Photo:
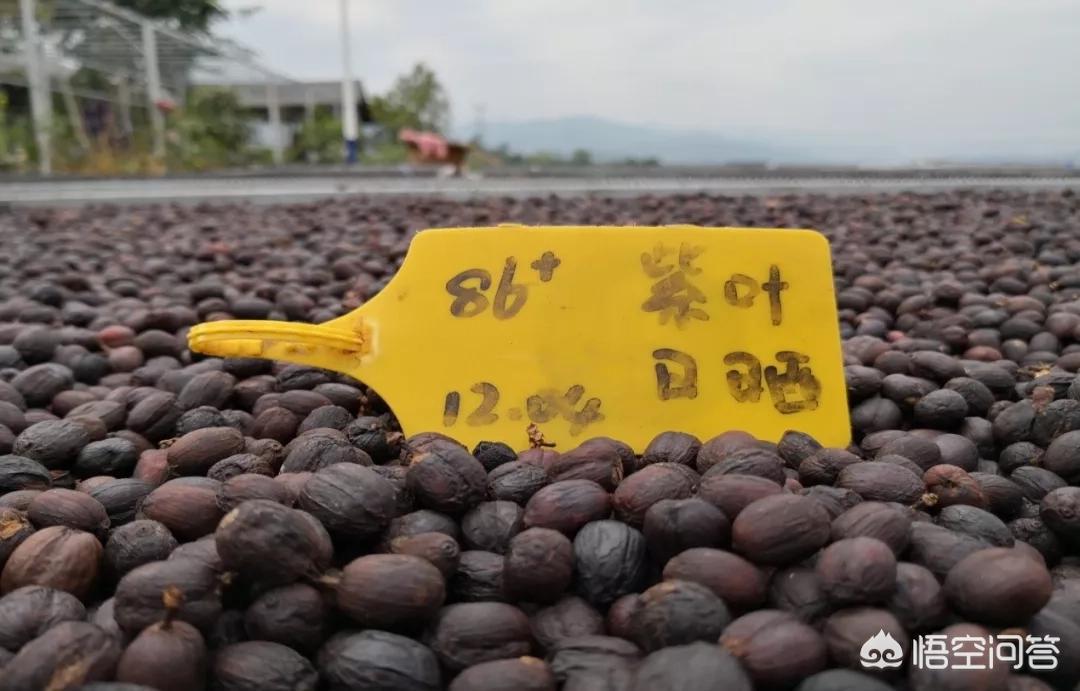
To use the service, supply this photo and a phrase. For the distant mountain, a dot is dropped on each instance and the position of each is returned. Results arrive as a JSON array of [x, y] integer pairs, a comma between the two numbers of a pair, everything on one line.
[[609, 140]]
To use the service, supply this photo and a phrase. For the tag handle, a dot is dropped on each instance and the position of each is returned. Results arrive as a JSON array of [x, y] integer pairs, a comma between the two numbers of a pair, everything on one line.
[[329, 345]]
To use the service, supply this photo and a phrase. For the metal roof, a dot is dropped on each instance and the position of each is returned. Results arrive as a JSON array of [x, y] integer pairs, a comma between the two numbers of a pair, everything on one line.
[[102, 37], [290, 94]]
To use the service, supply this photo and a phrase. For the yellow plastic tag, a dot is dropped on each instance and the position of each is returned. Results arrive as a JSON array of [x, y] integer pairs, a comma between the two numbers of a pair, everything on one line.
[[622, 332]]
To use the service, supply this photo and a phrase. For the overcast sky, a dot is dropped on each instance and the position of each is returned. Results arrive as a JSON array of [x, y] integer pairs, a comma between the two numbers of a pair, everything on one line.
[[925, 74]]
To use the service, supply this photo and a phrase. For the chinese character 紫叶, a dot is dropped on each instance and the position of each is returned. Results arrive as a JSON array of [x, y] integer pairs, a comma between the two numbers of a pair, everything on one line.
[[740, 291], [673, 294]]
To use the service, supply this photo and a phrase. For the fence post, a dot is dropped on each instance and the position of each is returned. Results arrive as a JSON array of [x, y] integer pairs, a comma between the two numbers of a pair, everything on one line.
[[348, 90], [153, 87], [309, 106], [273, 107], [123, 97], [38, 78]]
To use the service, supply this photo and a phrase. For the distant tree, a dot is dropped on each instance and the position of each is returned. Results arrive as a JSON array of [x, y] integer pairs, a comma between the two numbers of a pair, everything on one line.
[[544, 158], [319, 139], [417, 100], [581, 157], [196, 15], [212, 131], [651, 162]]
